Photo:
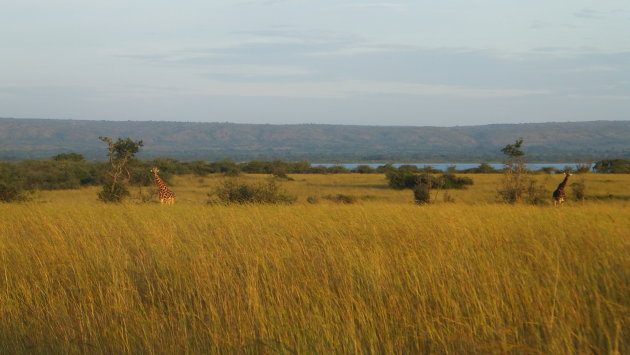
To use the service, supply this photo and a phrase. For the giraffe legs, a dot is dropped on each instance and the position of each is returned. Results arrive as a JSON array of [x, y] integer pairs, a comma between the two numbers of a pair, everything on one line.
[[558, 201]]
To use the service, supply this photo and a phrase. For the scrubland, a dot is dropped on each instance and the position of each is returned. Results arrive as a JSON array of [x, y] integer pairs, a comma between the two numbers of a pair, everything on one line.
[[382, 275]]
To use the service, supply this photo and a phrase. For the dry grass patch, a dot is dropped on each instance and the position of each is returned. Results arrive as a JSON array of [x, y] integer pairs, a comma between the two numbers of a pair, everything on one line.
[[369, 277]]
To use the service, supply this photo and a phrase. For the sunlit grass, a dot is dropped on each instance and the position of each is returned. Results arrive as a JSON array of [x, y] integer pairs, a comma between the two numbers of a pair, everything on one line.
[[382, 275]]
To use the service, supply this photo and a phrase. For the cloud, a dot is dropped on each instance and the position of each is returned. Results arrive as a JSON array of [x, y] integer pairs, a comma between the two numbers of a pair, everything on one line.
[[295, 35], [589, 14], [283, 62], [590, 69], [360, 49], [537, 25], [348, 88], [267, 2], [592, 14], [600, 97], [254, 71], [377, 5]]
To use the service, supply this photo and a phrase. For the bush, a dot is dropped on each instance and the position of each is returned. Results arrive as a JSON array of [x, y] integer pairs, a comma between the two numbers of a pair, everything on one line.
[[483, 168], [51, 174], [234, 191], [68, 156], [583, 168], [510, 194], [232, 172], [341, 198], [11, 193], [450, 181], [612, 166], [364, 169], [536, 194], [199, 168], [578, 189], [114, 192], [422, 193], [337, 169], [400, 180], [281, 175]]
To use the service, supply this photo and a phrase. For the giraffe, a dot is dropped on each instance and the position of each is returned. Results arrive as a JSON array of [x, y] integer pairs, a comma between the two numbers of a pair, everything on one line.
[[166, 195], [559, 195]]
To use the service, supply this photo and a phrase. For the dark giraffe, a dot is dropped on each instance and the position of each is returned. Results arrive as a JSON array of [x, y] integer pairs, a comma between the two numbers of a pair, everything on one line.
[[166, 195], [559, 195]]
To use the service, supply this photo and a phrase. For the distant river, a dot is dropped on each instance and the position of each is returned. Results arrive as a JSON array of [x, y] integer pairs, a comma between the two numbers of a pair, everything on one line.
[[458, 166]]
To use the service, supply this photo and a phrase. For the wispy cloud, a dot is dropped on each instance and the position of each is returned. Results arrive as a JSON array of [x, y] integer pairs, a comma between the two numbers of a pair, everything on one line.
[[267, 2], [593, 14], [600, 97], [359, 49], [377, 5], [286, 63], [256, 71], [536, 25], [590, 14], [349, 88], [590, 69]]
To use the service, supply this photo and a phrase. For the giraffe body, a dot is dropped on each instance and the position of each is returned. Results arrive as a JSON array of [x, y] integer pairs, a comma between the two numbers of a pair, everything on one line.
[[559, 195], [166, 195]]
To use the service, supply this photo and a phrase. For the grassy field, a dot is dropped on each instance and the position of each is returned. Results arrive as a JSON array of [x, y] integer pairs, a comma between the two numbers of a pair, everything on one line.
[[380, 275]]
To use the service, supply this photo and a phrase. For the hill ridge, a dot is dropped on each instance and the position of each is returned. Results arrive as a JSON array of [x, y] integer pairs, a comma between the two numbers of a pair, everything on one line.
[[22, 138]]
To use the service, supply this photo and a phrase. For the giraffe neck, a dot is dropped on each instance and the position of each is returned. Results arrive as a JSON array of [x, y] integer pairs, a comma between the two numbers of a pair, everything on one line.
[[563, 183], [159, 181]]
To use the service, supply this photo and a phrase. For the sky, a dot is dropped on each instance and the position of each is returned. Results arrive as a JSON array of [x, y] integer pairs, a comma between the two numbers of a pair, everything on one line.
[[418, 63]]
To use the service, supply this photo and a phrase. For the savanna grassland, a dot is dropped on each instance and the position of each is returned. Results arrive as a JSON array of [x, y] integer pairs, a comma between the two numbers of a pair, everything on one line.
[[381, 275]]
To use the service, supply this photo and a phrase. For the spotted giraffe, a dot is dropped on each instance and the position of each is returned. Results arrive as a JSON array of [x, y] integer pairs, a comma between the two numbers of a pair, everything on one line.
[[559, 195], [166, 195]]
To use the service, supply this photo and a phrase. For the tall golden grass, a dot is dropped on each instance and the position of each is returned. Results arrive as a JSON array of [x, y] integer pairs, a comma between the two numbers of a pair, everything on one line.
[[382, 275]]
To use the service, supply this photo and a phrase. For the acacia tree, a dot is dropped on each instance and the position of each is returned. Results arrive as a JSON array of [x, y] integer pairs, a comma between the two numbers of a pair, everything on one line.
[[120, 153], [514, 173]]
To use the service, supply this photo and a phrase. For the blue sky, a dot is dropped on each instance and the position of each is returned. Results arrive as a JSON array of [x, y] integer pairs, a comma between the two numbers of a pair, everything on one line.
[[441, 63]]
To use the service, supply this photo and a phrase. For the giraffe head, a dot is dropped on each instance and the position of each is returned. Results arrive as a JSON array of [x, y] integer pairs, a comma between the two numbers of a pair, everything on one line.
[[568, 173], [155, 170]]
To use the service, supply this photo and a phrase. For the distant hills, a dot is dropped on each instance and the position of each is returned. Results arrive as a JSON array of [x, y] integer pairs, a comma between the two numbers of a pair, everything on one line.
[[544, 142]]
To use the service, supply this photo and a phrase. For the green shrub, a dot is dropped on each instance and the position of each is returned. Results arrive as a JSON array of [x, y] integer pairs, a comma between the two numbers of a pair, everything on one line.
[[341, 198], [583, 168], [450, 181], [364, 169], [400, 179], [483, 168], [12, 193], [578, 189], [234, 191], [422, 192], [68, 156], [232, 172], [612, 166], [536, 194], [113, 192], [282, 175], [337, 169]]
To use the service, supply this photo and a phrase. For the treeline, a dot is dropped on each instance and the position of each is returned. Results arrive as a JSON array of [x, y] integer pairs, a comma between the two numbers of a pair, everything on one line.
[[71, 171]]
